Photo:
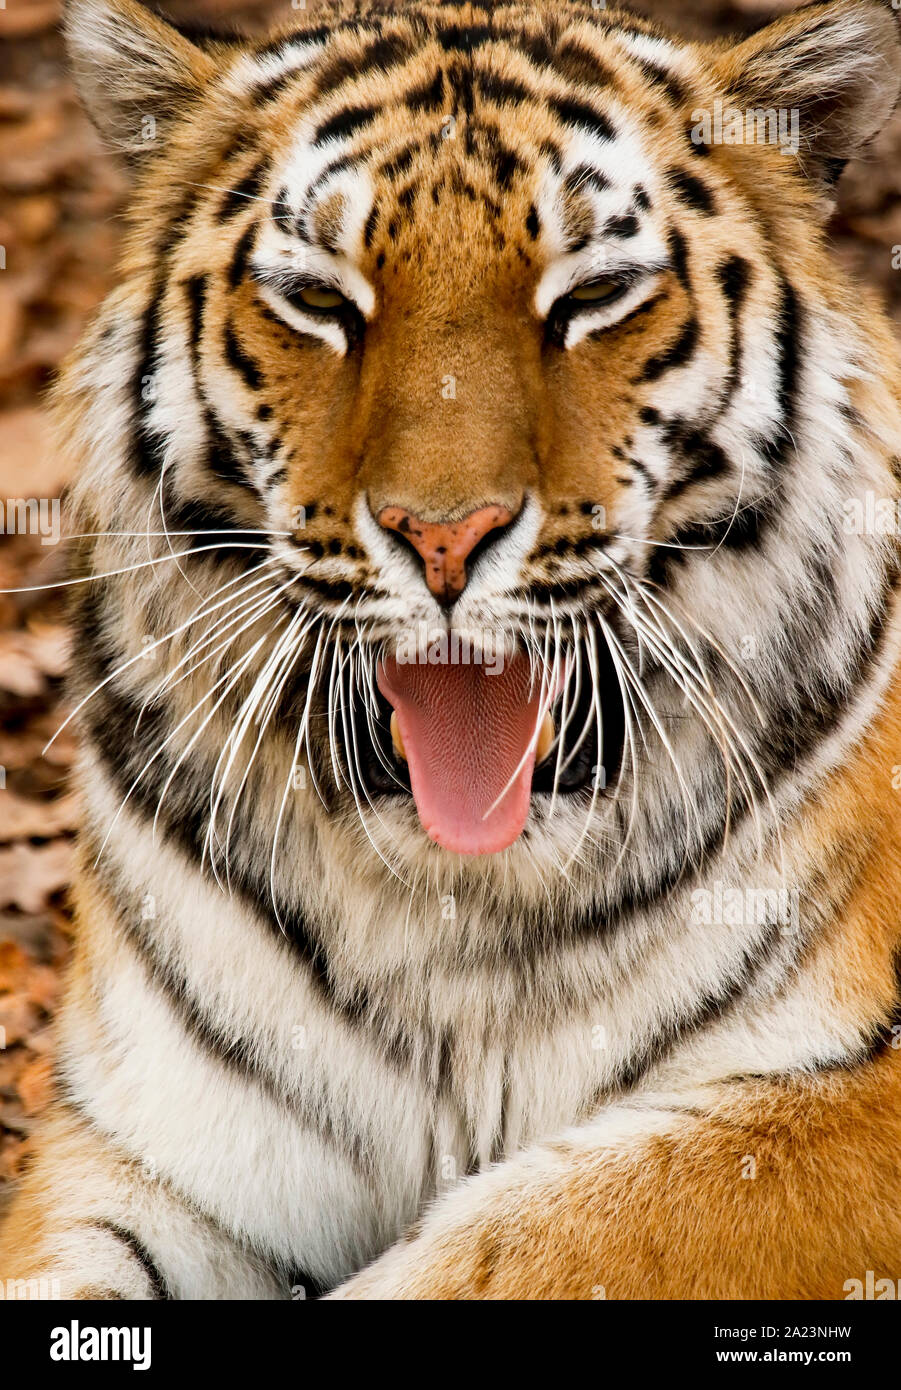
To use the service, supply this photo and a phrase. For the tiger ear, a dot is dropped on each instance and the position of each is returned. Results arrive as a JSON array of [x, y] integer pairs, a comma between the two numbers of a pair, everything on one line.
[[832, 73], [133, 71]]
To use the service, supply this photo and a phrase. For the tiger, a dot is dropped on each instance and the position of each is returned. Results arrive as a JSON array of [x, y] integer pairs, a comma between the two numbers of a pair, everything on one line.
[[484, 576]]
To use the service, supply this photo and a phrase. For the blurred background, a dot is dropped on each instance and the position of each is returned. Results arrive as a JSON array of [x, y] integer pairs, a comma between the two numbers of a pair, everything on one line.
[[60, 198]]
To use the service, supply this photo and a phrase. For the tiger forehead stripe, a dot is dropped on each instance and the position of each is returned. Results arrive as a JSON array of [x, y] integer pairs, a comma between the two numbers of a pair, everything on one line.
[[334, 58]]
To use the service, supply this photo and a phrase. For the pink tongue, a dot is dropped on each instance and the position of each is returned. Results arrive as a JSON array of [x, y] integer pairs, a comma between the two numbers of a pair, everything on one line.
[[465, 734]]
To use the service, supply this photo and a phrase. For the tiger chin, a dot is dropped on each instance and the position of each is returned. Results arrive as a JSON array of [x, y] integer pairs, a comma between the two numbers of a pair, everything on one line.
[[486, 677]]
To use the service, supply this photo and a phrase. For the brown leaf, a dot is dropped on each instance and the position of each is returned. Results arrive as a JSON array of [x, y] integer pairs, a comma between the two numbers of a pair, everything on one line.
[[36, 1085], [13, 964], [30, 874], [26, 452], [21, 819], [18, 1017], [27, 658]]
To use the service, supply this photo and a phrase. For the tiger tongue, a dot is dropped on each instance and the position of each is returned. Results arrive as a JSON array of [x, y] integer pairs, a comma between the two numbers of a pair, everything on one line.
[[468, 738]]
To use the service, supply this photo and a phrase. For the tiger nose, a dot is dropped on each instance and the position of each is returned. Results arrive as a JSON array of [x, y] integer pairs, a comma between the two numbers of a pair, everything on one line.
[[445, 547]]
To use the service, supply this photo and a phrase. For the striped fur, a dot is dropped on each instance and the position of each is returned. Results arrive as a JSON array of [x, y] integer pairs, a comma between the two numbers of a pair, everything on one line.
[[294, 1025]]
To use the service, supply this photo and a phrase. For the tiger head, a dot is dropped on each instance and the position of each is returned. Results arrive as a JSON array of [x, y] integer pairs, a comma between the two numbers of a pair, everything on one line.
[[505, 341]]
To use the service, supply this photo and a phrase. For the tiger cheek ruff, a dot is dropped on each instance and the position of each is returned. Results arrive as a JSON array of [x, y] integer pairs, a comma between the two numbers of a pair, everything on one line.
[[486, 677]]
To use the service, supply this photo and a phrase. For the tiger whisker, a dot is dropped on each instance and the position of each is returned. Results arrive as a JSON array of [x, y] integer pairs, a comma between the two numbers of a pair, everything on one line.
[[127, 569], [142, 655], [174, 732], [643, 696], [710, 712], [246, 601], [261, 706]]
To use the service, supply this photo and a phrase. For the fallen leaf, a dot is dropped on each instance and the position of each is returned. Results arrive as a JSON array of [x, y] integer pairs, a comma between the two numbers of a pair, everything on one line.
[[30, 874], [36, 1085], [21, 819]]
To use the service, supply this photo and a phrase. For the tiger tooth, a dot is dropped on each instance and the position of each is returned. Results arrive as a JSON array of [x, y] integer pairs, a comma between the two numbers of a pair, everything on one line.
[[546, 736], [396, 739]]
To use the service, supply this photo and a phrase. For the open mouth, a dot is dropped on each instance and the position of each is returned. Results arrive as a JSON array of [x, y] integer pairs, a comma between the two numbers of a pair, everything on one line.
[[473, 746]]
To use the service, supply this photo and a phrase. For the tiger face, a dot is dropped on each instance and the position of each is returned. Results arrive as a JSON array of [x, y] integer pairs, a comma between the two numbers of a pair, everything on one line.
[[535, 396]]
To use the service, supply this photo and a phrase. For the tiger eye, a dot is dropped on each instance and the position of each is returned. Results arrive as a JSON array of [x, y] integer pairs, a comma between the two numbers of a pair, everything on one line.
[[596, 292], [320, 297]]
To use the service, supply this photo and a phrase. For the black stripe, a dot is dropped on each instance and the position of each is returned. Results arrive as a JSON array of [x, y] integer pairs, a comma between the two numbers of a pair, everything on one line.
[[711, 1006], [407, 196], [213, 526], [535, 45], [624, 227], [239, 359], [222, 457], [344, 123], [428, 96], [238, 265], [691, 191], [282, 215], [158, 1285], [741, 531], [788, 335], [577, 63], [336, 166], [144, 454], [462, 83], [708, 460], [272, 90], [698, 147], [386, 51], [465, 37], [111, 721], [195, 290], [238, 1054], [147, 443], [400, 162], [678, 255], [492, 86], [371, 224], [238, 198], [499, 1147], [553, 154], [579, 113], [336, 590], [734, 276], [676, 355], [559, 589], [666, 81], [504, 164], [811, 709], [585, 176]]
